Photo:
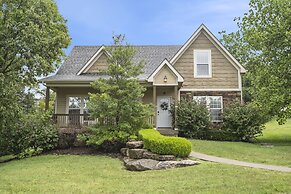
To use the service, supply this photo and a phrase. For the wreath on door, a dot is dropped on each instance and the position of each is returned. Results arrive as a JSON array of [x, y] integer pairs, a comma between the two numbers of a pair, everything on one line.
[[164, 106]]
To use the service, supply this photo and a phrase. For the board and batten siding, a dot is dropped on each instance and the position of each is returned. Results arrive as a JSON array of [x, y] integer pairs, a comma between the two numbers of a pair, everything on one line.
[[224, 74], [100, 65]]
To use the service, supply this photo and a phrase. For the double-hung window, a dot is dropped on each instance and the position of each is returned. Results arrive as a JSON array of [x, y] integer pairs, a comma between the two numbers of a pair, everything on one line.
[[214, 104], [202, 64]]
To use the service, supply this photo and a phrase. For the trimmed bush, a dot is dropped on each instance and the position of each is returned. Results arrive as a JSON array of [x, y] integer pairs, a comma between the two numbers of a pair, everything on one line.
[[245, 122], [157, 143], [192, 118]]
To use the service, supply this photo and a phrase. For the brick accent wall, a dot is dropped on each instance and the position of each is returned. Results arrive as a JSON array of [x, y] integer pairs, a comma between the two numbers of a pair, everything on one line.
[[228, 96]]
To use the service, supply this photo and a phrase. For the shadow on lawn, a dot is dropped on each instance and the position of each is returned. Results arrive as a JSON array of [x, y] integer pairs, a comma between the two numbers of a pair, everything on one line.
[[67, 151]]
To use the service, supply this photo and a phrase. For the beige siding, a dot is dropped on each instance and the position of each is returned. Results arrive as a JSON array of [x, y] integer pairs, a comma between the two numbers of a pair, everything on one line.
[[160, 91], [61, 103], [148, 96], [63, 93], [224, 74], [165, 71], [166, 91], [100, 65]]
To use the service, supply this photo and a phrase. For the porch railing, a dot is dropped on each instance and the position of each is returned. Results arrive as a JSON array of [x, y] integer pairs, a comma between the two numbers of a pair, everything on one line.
[[79, 120]]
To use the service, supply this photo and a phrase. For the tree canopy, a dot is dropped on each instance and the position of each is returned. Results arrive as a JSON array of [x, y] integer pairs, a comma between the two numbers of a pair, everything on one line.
[[263, 45], [32, 37], [117, 102]]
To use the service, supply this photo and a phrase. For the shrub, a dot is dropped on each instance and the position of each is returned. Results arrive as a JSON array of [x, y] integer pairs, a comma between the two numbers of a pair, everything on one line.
[[106, 139], [245, 122], [160, 144], [69, 138], [33, 135], [192, 118]]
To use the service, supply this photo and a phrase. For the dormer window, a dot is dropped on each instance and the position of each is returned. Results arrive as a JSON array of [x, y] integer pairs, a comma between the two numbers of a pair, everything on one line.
[[202, 64]]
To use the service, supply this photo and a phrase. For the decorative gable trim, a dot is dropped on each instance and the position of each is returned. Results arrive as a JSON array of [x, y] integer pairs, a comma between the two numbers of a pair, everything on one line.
[[93, 59], [165, 62], [215, 41]]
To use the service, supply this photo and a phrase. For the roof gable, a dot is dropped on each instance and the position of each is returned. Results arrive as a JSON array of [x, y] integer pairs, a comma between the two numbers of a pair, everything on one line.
[[165, 63], [101, 51], [214, 40]]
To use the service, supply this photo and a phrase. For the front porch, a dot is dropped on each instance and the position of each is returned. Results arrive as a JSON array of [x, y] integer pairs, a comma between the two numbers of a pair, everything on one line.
[[80, 120], [74, 122], [71, 106], [162, 91]]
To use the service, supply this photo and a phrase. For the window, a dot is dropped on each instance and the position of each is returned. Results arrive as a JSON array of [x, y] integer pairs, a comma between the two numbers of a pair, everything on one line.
[[74, 105], [76, 108], [214, 105], [78, 105], [85, 109], [202, 63]]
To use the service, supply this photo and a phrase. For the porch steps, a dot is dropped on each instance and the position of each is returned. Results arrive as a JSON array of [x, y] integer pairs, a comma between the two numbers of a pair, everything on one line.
[[168, 131]]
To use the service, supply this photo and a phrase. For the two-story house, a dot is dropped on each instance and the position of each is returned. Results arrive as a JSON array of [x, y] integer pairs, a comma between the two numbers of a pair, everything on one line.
[[201, 68]]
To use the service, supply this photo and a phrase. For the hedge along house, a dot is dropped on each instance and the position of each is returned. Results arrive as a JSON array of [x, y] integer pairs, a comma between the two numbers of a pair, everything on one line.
[[201, 68]]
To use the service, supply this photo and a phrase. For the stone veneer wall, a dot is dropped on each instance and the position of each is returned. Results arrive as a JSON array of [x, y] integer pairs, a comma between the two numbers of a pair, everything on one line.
[[228, 96]]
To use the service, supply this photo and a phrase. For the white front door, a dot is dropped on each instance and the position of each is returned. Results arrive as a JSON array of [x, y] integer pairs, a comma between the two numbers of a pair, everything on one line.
[[164, 117]]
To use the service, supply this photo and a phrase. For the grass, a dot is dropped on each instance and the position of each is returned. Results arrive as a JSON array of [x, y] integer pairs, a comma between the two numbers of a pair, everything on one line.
[[101, 174], [279, 136], [6, 158]]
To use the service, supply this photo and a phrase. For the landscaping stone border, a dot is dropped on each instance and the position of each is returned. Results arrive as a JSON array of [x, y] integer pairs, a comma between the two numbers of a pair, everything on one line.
[[136, 158]]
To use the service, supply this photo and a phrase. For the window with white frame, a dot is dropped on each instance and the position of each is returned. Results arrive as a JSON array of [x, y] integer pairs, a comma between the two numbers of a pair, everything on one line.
[[85, 108], [78, 104], [214, 105], [77, 109], [202, 64], [74, 105]]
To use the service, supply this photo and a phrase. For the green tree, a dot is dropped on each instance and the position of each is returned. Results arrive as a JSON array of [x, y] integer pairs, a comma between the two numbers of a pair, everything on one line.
[[236, 45], [263, 43], [117, 102], [41, 101], [32, 37]]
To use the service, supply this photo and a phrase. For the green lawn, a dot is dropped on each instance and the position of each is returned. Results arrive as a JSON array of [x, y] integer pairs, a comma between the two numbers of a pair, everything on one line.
[[277, 135], [101, 174], [6, 158]]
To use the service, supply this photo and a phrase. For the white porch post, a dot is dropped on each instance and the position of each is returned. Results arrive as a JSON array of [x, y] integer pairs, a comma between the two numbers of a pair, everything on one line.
[[47, 98], [155, 104]]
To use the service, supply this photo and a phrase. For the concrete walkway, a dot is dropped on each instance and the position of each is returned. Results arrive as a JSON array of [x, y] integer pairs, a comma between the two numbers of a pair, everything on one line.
[[239, 163]]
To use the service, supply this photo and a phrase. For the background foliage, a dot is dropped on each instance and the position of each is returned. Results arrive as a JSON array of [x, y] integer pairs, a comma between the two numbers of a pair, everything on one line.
[[262, 44], [32, 37]]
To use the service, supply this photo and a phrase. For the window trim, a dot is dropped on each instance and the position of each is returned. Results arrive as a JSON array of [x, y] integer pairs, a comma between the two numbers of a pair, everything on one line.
[[207, 105], [82, 102], [209, 61]]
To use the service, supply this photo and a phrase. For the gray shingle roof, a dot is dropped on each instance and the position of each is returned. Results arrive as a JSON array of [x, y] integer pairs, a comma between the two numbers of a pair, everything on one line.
[[152, 56]]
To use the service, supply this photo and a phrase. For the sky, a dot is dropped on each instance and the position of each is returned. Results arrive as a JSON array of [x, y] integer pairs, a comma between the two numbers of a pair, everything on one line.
[[147, 22]]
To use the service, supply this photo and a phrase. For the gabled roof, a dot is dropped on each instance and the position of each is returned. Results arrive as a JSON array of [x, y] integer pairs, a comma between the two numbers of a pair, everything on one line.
[[81, 57], [94, 58], [152, 55], [214, 40], [167, 63]]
